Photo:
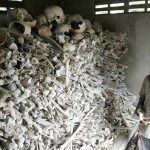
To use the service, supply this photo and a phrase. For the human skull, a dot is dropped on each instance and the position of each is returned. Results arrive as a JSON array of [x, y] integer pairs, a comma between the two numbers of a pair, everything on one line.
[[21, 14], [54, 13], [41, 20], [88, 29], [63, 32], [88, 23], [97, 27], [21, 27], [77, 23], [16, 13], [64, 29]]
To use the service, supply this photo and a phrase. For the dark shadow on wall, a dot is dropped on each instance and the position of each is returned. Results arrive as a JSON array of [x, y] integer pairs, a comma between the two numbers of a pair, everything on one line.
[[36, 7]]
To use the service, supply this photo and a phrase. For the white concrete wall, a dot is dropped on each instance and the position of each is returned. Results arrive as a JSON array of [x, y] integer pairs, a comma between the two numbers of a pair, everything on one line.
[[139, 60]]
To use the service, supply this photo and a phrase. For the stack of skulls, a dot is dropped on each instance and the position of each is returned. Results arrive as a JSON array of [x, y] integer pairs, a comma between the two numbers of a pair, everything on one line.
[[64, 90]]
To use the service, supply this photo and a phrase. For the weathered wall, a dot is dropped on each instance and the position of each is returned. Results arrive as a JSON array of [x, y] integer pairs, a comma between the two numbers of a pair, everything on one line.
[[137, 27], [84, 7], [36, 7]]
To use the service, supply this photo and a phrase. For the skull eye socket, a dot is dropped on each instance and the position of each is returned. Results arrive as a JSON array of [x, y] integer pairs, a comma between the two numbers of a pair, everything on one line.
[[80, 22], [58, 17], [67, 33]]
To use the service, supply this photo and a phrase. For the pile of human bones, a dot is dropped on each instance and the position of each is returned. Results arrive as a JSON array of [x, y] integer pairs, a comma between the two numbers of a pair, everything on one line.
[[61, 83]]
